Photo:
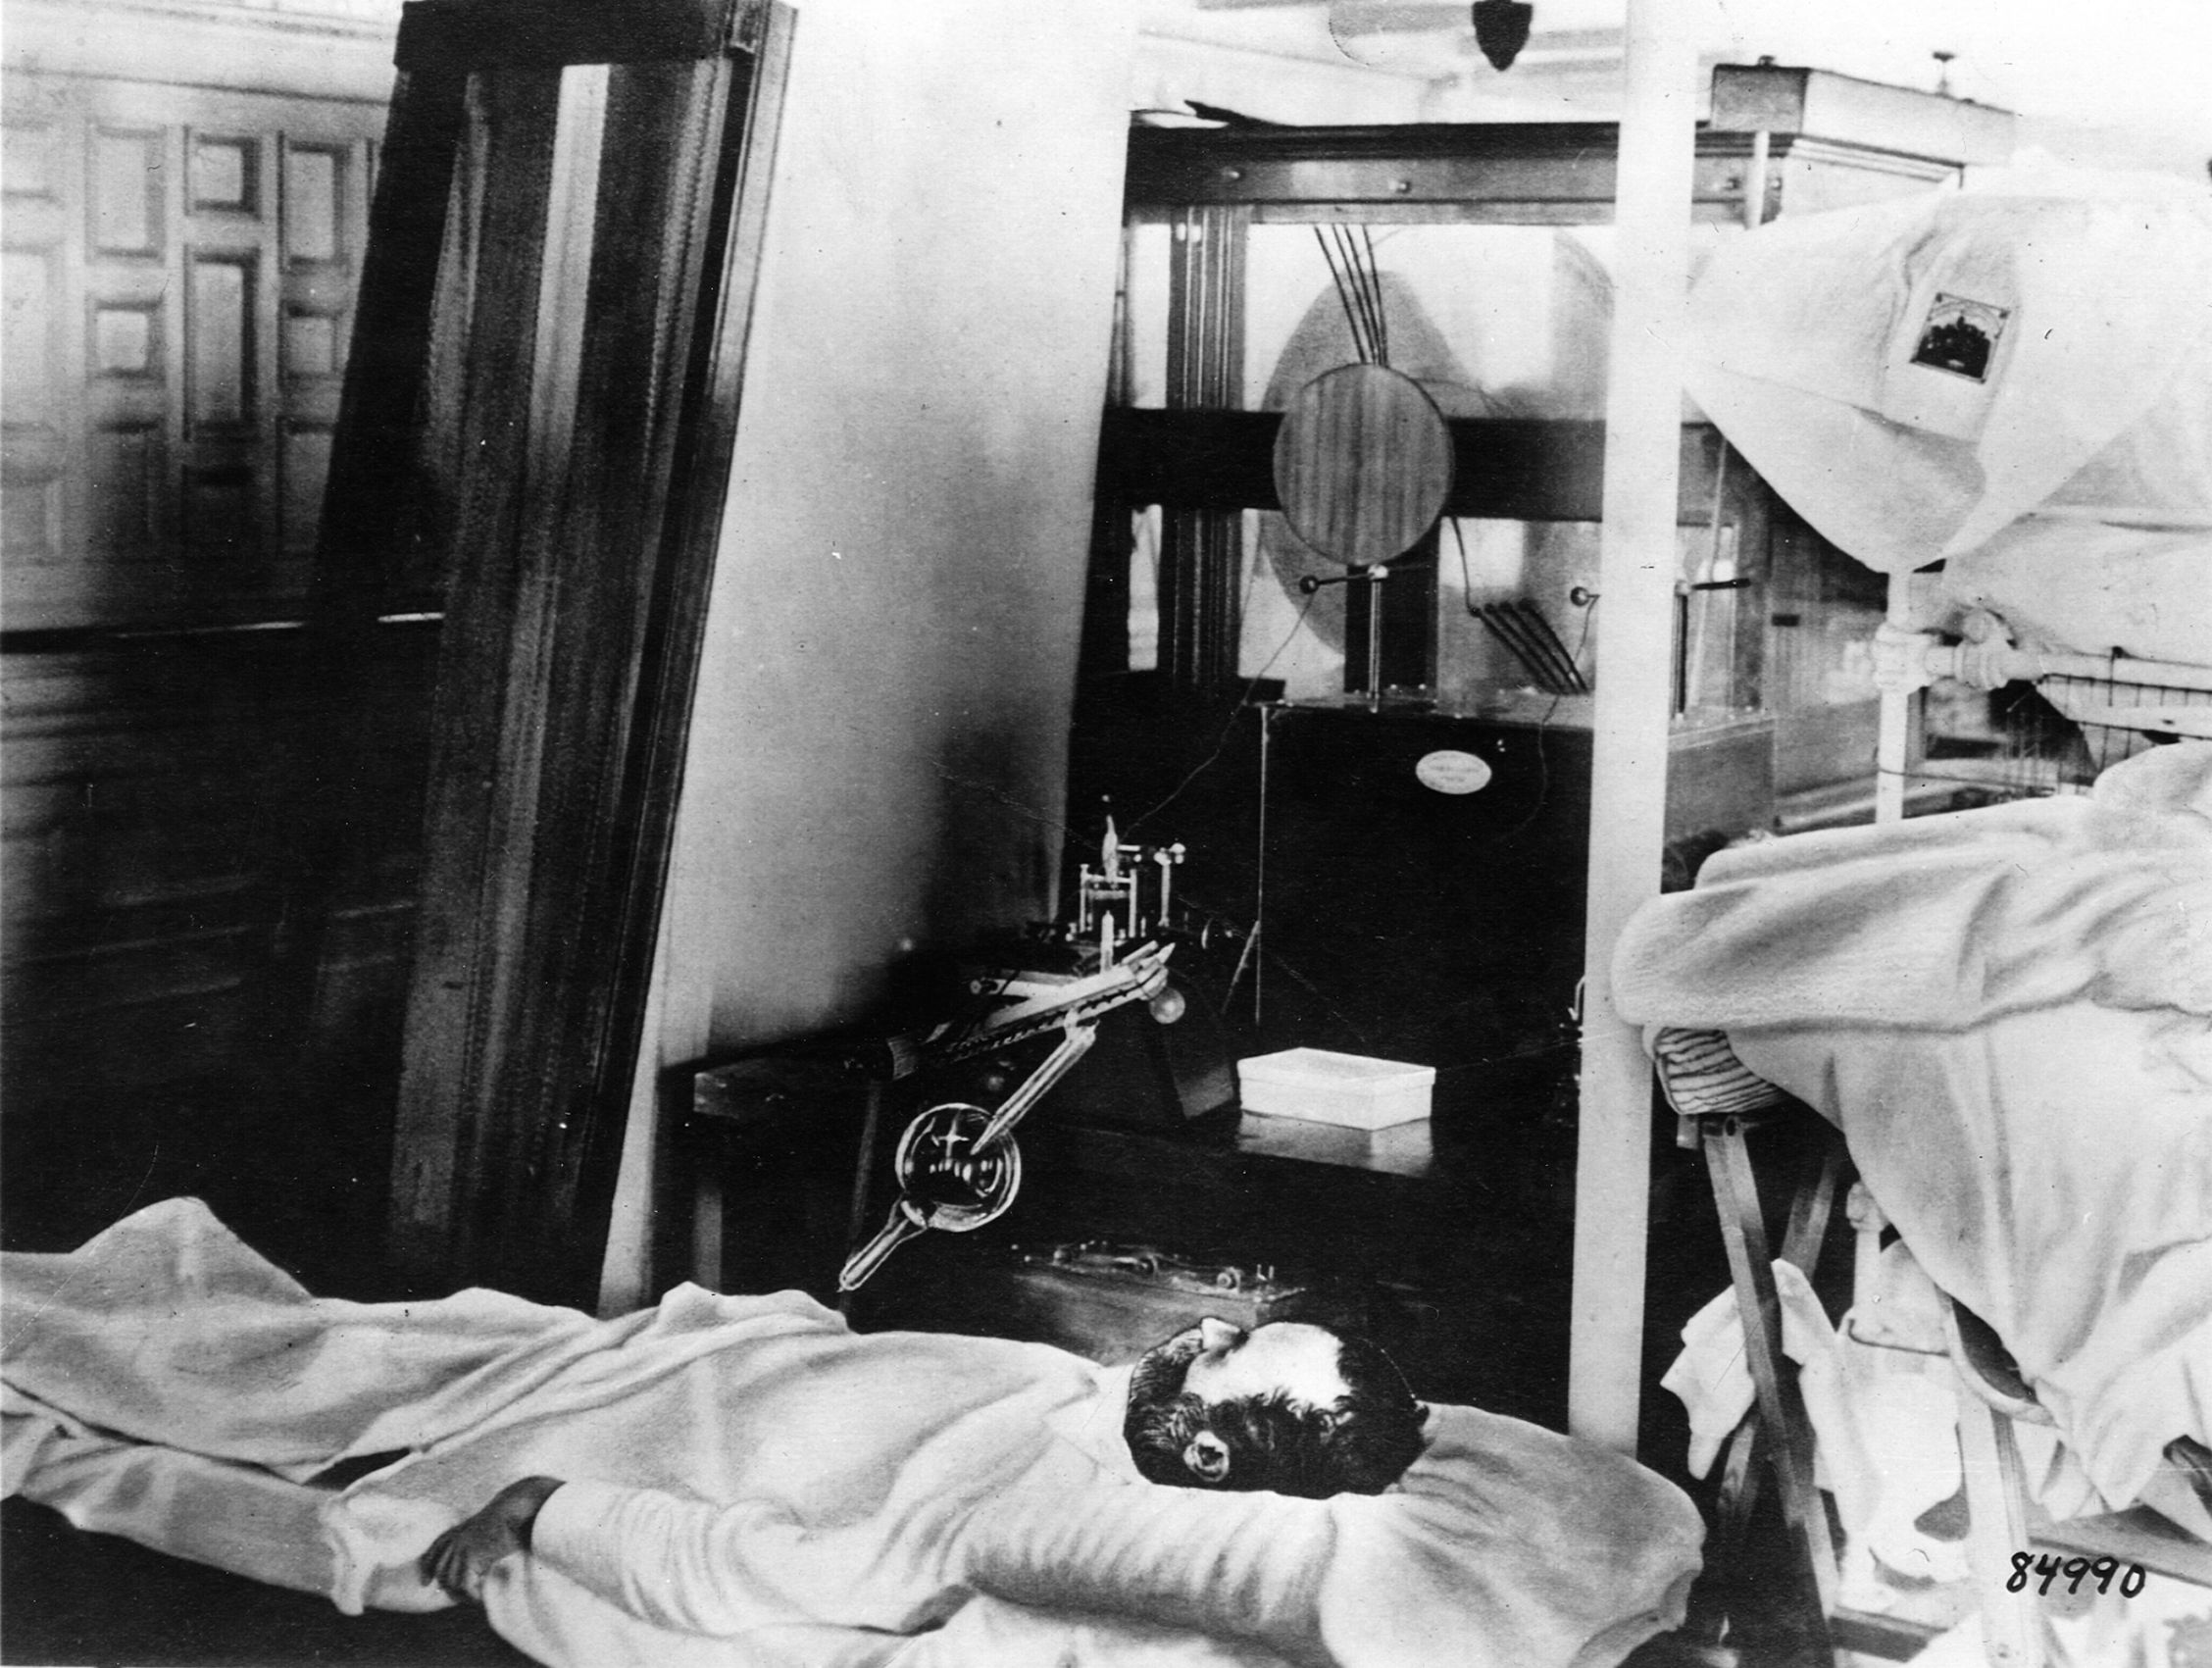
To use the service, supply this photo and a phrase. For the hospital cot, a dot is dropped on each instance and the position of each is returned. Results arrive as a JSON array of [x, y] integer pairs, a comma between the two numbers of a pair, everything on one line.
[[1720, 1104]]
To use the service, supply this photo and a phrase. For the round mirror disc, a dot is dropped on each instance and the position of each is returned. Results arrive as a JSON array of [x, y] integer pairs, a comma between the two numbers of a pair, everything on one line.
[[1362, 464]]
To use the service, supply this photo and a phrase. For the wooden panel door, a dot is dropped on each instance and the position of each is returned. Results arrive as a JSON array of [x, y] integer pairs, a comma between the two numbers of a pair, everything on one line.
[[180, 267]]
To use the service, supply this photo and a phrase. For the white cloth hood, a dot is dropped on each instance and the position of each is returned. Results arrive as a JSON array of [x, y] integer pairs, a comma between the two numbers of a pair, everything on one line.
[[1821, 345]]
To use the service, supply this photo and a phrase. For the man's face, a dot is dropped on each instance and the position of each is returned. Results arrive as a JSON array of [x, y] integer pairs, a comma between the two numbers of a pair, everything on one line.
[[1218, 1362]]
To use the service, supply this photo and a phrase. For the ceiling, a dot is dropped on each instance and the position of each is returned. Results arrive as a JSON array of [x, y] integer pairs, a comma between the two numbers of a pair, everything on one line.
[[2117, 83]]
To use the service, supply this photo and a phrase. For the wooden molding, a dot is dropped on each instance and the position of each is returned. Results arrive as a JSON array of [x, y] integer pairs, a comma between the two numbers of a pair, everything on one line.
[[303, 51]]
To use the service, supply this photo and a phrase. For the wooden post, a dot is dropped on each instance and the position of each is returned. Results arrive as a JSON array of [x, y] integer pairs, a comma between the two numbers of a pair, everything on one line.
[[1783, 1421], [1893, 745], [1637, 565], [626, 151]]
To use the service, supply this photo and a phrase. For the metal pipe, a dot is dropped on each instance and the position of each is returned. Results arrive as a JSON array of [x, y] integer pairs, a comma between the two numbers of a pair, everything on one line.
[[1755, 179], [1637, 562], [1253, 946], [1375, 579], [2031, 665], [1894, 724]]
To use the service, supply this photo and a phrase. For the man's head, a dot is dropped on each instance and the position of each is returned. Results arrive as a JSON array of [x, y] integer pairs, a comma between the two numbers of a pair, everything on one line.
[[1289, 1407]]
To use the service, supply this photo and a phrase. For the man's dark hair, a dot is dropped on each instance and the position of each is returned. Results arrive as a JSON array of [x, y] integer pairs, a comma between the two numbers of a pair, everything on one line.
[[1359, 1446]]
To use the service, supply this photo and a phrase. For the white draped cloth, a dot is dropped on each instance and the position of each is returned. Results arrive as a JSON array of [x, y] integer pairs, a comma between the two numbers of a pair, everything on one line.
[[751, 1482], [2009, 1014], [2067, 488]]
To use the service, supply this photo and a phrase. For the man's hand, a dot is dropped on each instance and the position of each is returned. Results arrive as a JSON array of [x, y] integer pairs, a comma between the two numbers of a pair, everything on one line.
[[459, 1560]]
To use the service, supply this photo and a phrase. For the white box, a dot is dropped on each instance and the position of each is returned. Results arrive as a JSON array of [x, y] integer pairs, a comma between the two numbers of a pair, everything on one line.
[[1327, 1087]]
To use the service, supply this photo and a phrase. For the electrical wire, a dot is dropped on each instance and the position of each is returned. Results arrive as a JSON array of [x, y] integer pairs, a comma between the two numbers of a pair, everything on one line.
[[1525, 629], [1359, 290], [1499, 632], [1382, 314], [1475, 612], [1356, 274], [1552, 673], [1543, 723], [1221, 742], [1555, 650], [1344, 298]]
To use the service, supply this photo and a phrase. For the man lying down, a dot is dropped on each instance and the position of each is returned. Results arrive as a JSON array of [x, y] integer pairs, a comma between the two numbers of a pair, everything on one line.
[[1291, 1408], [654, 1489]]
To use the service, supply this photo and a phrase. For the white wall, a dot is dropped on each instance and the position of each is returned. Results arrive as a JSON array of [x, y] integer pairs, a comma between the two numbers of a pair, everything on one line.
[[879, 741], [316, 48], [1267, 82]]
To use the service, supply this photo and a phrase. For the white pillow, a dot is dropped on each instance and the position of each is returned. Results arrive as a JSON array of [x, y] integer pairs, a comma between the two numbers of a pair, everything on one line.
[[1504, 1542]]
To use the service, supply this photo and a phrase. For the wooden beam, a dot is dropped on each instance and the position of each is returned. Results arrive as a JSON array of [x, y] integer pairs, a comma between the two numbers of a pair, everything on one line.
[[1638, 564], [461, 37], [1787, 1430], [1504, 468], [1536, 173]]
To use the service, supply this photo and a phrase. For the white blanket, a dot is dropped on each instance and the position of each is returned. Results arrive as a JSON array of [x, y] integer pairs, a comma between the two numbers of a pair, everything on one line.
[[166, 1383], [2008, 1013], [2067, 484]]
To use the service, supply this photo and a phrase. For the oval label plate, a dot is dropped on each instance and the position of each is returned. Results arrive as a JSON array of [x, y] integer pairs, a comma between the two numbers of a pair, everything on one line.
[[1450, 771]]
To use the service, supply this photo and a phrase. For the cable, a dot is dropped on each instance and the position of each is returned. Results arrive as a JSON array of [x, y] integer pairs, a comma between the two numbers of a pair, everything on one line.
[[1357, 279], [1221, 742], [1545, 679], [1543, 762], [1555, 651], [1382, 314], [1343, 297], [1512, 630], [1498, 631]]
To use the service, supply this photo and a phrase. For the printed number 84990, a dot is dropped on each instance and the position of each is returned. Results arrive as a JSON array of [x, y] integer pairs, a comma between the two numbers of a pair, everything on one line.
[[2075, 1570]]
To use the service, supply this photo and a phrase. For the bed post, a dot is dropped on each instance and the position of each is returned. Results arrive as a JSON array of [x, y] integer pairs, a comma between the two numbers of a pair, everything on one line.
[[1637, 571], [1892, 741]]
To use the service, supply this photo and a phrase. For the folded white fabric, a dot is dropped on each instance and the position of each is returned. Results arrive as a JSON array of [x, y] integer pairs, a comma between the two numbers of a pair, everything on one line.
[[1712, 1378], [1883, 1420]]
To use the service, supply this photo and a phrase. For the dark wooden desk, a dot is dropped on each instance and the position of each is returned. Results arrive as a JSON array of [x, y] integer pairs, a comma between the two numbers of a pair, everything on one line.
[[1457, 1245]]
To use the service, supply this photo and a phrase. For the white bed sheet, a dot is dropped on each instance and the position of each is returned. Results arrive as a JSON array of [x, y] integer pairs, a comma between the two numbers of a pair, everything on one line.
[[2009, 1014], [165, 1340], [2052, 1171]]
